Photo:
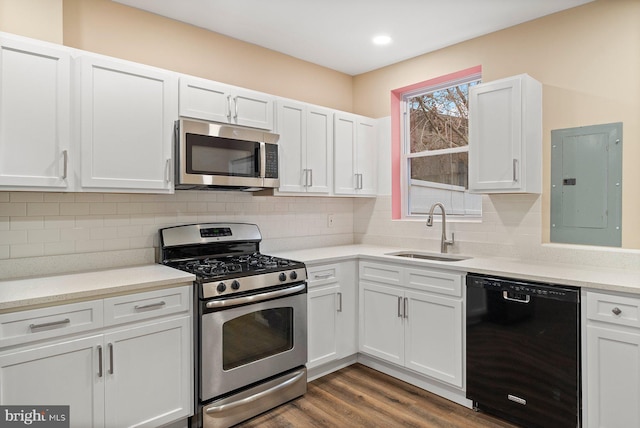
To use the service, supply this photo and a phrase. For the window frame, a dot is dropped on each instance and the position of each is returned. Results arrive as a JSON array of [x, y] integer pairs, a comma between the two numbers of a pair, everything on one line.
[[400, 190]]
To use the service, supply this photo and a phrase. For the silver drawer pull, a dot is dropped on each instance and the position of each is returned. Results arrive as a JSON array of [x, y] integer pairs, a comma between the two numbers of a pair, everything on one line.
[[99, 361], [51, 324], [616, 311], [150, 306], [322, 275]]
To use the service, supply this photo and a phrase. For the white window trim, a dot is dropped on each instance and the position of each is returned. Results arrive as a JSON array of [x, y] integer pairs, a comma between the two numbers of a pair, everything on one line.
[[406, 156]]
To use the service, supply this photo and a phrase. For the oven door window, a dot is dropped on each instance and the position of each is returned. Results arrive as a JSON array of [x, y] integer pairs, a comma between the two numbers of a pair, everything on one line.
[[222, 156], [256, 336]]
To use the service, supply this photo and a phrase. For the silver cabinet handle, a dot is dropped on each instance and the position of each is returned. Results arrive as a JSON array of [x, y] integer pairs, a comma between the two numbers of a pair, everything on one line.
[[110, 346], [339, 302], [229, 107], [99, 361], [515, 170], [406, 307], [167, 171], [150, 306], [235, 104], [616, 311], [322, 275], [310, 177], [51, 324], [65, 157], [306, 177], [399, 307]]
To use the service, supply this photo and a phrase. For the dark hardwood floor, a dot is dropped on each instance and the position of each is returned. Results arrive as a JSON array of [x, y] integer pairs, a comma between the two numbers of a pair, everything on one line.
[[358, 396]]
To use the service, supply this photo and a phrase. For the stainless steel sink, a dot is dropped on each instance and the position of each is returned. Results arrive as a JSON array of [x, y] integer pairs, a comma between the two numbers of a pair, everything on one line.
[[428, 256]]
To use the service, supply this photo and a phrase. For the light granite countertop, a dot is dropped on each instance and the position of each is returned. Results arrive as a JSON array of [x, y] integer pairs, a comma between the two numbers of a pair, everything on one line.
[[27, 293], [621, 280]]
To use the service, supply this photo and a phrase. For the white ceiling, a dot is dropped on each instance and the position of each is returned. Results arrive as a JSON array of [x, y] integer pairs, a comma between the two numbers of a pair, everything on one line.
[[337, 33]]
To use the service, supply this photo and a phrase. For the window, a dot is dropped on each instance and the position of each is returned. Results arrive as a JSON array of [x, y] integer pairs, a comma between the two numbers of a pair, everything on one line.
[[432, 146]]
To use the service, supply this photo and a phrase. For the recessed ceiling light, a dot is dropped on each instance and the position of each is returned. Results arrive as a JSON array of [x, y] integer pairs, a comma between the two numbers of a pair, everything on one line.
[[382, 40]]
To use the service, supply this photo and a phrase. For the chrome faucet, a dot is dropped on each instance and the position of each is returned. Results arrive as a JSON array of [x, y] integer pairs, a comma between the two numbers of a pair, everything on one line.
[[443, 240]]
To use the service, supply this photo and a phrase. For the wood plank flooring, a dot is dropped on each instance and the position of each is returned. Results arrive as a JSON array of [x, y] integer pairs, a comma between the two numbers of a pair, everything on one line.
[[358, 396]]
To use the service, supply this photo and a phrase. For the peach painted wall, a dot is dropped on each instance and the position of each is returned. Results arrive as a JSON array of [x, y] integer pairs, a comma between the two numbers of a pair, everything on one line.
[[38, 19], [588, 60]]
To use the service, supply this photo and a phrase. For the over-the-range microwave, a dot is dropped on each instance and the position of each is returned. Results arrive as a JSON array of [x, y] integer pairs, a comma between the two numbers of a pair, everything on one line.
[[213, 156]]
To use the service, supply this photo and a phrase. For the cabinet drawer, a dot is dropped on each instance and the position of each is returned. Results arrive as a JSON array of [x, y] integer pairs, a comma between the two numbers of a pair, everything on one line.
[[320, 275], [46, 323], [377, 272], [151, 304], [434, 281], [613, 309]]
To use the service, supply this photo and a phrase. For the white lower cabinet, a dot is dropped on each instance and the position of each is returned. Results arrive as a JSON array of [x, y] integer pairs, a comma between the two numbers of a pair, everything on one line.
[[403, 322], [612, 373], [133, 374], [331, 313]]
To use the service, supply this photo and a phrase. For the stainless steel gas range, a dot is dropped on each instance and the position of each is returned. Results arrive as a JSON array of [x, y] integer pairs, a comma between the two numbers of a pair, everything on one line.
[[250, 321]]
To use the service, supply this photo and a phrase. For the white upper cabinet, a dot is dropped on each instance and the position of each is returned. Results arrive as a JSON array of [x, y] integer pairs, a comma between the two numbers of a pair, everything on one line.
[[505, 136], [216, 102], [127, 115], [355, 147], [306, 147], [34, 115]]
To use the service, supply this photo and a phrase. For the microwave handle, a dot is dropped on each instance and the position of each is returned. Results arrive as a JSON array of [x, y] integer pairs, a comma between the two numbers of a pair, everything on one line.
[[263, 160]]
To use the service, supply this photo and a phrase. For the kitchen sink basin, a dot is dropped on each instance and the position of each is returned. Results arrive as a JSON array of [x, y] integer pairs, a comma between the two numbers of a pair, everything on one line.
[[428, 256]]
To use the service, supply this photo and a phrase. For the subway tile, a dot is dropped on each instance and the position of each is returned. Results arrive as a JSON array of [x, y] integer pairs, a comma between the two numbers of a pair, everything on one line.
[[60, 247], [116, 220], [74, 208], [103, 208], [103, 232], [26, 250], [89, 197], [4, 252], [26, 223], [43, 235], [75, 234], [89, 246], [60, 197], [11, 209], [59, 222], [4, 223], [43, 208], [5, 196], [26, 197], [12, 237], [130, 231], [115, 244]]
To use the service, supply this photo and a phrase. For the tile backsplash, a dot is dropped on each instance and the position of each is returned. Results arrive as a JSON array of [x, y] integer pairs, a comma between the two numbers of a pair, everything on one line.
[[49, 233]]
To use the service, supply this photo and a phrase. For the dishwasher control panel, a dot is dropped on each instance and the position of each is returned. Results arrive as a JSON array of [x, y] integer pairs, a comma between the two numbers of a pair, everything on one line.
[[515, 289]]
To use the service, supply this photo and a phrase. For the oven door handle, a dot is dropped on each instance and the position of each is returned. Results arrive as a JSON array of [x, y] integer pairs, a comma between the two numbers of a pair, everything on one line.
[[256, 397], [216, 304]]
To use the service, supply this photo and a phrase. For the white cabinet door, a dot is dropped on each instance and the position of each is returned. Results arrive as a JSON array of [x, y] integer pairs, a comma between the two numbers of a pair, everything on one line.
[[306, 144], [366, 157], [204, 99], [381, 322], [216, 102], [148, 376], [126, 129], [34, 115], [354, 155], [323, 305], [433, 336], [292, 146], [505, 136], [63, 373], [344, 173], [613, 377]]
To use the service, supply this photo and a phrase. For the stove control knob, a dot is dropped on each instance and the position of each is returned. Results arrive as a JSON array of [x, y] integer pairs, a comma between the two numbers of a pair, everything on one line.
[[221, 287], [293, 275], [282, 276], [235, 284]]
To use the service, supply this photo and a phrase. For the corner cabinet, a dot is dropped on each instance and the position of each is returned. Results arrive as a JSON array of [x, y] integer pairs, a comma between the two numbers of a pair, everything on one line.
[[355, 148], [332, 313], [121, 361], [612, 370], [35, 113], [127, 113], [505, 136], [216, 102], [413, 317], [306, 147]]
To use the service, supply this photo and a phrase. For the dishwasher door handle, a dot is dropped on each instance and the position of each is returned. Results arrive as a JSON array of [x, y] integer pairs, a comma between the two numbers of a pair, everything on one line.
[[505, 295]]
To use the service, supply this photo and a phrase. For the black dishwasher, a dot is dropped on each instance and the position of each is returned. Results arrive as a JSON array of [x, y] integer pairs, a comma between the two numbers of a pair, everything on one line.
[[523, 351]]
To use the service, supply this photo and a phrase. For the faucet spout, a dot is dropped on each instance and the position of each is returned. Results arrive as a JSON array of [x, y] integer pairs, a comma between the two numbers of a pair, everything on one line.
[[444, 242]]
